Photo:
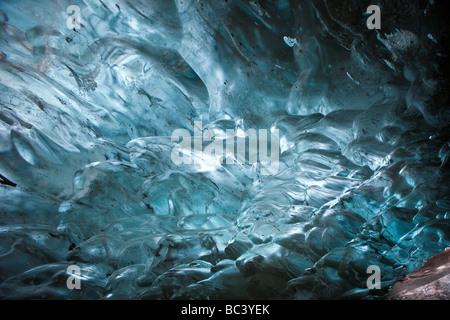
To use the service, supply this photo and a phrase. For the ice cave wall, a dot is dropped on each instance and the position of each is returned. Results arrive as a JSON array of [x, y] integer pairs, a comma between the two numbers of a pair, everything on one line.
[[87, 114]]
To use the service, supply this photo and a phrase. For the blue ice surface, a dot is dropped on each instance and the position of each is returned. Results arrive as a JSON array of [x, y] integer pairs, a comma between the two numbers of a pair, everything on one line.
[[87, 117]]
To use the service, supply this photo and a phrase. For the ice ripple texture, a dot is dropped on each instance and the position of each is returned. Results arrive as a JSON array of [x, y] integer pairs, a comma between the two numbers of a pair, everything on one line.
[[86, 117]]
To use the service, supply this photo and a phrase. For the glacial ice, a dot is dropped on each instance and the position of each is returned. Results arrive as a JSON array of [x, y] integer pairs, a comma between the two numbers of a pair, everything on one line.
[[87, 178]]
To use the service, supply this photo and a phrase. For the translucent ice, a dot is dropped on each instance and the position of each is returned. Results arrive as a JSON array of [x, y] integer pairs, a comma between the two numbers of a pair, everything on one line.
[[87, 177]]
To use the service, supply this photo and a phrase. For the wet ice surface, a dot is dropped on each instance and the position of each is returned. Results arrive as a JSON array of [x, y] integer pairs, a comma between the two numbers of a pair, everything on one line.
[[86, 117]]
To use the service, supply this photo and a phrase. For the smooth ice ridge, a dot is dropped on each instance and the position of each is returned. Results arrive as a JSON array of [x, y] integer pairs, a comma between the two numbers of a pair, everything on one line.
[[87, 176]]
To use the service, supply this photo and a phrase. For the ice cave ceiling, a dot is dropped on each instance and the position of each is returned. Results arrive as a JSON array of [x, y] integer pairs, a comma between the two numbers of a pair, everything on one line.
[[88, 114]]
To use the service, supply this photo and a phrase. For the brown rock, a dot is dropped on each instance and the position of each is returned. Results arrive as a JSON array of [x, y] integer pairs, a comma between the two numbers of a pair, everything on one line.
[[430, 282]]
